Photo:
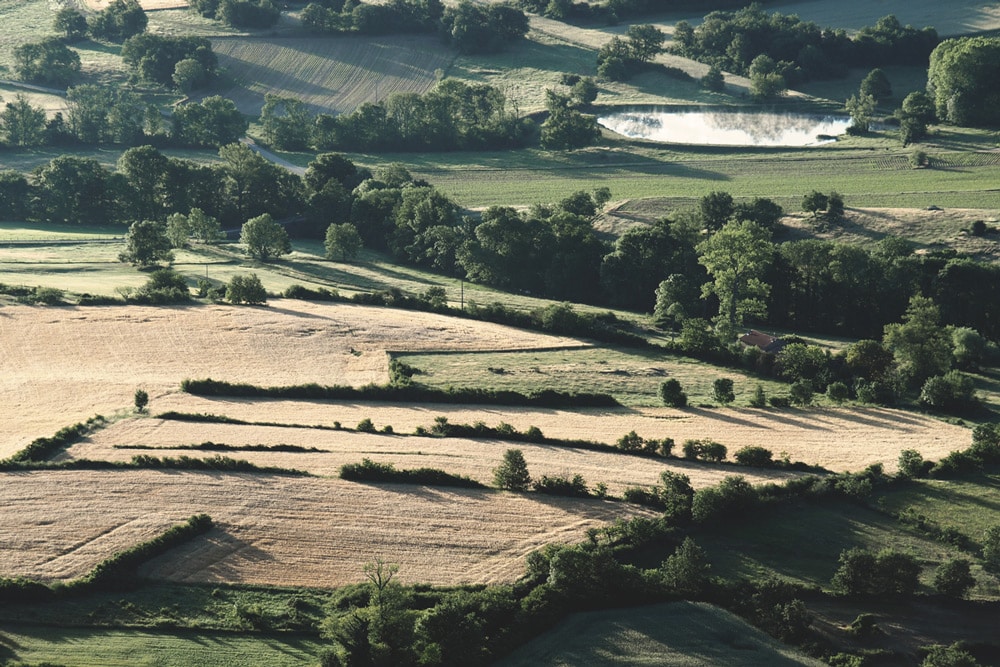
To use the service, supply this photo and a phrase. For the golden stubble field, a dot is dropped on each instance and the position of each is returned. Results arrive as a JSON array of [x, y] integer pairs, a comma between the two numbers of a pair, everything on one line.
[[839, 439], [59, 366], [287, 531]]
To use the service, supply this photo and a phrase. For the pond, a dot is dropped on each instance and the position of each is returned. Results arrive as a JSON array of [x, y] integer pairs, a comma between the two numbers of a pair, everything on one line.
[[723, 127]]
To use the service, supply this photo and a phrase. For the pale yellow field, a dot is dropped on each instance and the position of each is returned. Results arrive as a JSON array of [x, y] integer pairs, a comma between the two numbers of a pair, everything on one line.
[[473, 458], [836, 438], [59, 366], [282, 530]]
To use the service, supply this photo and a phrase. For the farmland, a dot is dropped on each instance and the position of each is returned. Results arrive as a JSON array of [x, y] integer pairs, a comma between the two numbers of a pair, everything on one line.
[[292, 562], [328, 75]]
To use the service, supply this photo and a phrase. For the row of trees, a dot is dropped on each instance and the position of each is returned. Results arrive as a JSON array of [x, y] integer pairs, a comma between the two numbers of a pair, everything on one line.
[[239, 13], [800, 50], [467, 27], [100, 114], [452, 116]]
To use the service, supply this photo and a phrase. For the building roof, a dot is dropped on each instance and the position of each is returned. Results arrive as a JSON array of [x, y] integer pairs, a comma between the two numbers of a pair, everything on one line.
[[762, 341]]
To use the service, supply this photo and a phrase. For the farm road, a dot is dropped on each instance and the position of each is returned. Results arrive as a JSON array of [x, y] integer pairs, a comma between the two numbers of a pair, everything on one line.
[[268, 155]]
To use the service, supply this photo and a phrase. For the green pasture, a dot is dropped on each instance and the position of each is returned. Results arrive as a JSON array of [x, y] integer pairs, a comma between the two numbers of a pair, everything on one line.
[[680, 634], [969, 505], [802, 544], [83, 647], [631, 376]]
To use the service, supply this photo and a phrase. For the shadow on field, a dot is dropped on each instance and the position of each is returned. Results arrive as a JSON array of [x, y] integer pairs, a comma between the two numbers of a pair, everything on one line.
[[879, 420]]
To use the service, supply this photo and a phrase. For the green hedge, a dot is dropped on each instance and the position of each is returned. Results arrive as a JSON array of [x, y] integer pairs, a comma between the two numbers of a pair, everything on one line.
[[43, 449], [370, 471], [405, 394]]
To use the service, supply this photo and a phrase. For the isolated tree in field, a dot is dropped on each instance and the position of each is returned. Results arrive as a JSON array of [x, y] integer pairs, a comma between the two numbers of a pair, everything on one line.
[[714, 79], [645, 41], [722, 389], [141, 400], [919, 344], [512, 473], [265, 238], [246, 288], [22, 123], [146, 243], [737, 257], [673, 394], [815, 202], [342, 241]]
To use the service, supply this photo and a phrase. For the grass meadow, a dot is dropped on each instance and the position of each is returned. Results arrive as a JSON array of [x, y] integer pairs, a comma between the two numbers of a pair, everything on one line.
[[83, 647], [801, 544], [680, 634]]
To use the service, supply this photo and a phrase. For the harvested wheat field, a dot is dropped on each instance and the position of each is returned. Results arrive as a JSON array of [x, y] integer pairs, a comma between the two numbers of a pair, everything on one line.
[[459, 456], [62, 365], [838, 439], [282, 530]]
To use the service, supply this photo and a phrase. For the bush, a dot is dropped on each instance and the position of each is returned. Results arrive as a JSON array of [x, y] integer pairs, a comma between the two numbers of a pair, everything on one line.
[[366, 426], [704, 450], [779, 401], [723, 391], [912, 464], [755, 456], [729, 499], [954, 578], [887, 573], [672, 394], [801, 392], [759, 398], [371, 471], [953, 392], [838, 392], [246, 289], [562, 486]]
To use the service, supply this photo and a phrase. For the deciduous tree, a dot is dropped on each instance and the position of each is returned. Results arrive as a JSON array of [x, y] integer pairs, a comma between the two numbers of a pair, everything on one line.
[[265, 238]]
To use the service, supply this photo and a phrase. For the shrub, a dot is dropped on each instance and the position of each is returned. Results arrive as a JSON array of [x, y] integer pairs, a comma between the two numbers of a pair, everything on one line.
[[801, 392], [754, 456], [729, 499], [888, 572], [912, 464], [141, 400], [723, 391], [246, 289], [838, 392], [779, 401], [953, 392], [562, 486], [672, 394], [366, 426], [954, 578], [48, 296], [641, 495], [759, 398], [704, 450], [371, 471]]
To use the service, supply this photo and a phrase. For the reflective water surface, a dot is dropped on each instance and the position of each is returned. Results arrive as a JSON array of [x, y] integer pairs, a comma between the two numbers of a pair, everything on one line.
[[718, 127]]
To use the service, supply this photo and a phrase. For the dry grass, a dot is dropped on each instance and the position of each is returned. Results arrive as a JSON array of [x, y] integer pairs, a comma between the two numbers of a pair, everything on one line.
[[282, 531], [62, 365], [473, 458], [837, 439]]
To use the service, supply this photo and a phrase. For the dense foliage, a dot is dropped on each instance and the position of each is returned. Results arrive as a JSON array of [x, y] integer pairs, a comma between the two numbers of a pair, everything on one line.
[[961, 80], [801, 50]]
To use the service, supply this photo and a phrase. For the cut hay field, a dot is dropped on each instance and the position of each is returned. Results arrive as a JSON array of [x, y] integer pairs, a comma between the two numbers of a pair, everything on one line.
[[283, 531], [835, 438], [460, 456], [680, 634], [330, 75], [955, 17], [62, 365]]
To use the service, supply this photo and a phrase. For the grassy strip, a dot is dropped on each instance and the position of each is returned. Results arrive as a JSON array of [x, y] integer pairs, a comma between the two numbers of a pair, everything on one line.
[[113, 573], [220, 447], [403, 394], [370, 471], [43, 449]]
